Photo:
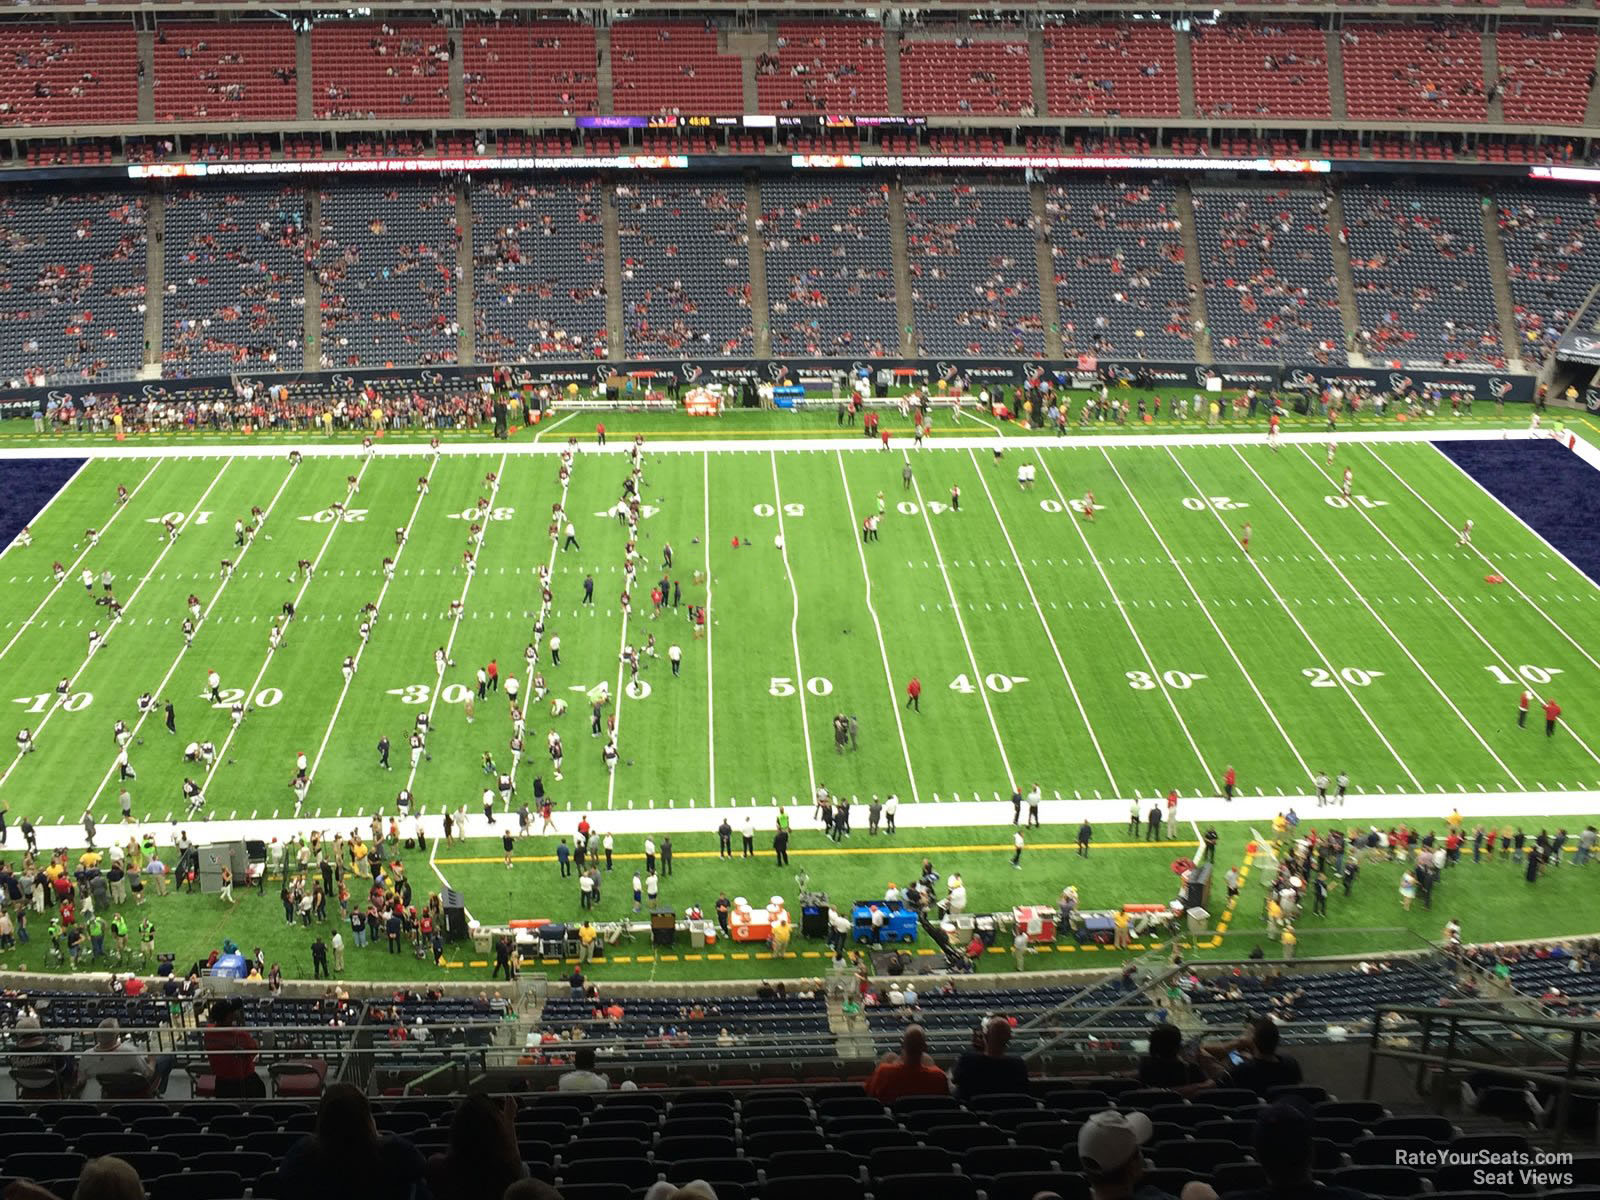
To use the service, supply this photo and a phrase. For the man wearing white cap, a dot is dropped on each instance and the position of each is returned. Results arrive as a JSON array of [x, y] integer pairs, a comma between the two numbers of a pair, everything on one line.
[[1110, 1149]]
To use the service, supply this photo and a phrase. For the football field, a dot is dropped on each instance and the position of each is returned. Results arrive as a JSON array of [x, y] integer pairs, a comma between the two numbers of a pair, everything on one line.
[[1103, 659]]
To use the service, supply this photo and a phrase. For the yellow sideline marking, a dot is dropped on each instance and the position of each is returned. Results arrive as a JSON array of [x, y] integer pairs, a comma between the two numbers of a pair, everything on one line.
[[856, 850]]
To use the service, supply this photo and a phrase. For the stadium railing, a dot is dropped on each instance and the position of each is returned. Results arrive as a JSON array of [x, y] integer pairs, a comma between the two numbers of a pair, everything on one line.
[[1454, 1044]]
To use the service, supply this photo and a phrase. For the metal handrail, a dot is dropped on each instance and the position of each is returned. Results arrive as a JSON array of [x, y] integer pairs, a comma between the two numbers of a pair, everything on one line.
[[1450, 1062]]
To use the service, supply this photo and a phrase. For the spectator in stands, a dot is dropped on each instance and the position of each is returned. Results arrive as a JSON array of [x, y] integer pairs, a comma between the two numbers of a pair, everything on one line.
[[483, 1159], [987, 1069], [1109, 1149], [347, 1154], [908, 1073], [105, 1178], [40, 1063], [1252, 1060], [231, 1051], [1164, 1066], [1283, 1147], [114, 1056], [583, 1077]]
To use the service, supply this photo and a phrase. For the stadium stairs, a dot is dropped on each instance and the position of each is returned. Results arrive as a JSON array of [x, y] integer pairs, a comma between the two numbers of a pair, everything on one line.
[[1338, 104], [1194, 274], [760, 310], [1505, 308], [1049, 298], [905, 310], [615, 321], [465, 319]]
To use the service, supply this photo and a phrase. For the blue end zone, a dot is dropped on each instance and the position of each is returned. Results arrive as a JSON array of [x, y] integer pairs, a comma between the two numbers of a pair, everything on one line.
[[26, 486], [1545, 484]]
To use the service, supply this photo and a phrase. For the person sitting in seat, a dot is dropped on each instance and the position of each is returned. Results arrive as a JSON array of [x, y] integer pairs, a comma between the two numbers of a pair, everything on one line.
[[116, 1058]]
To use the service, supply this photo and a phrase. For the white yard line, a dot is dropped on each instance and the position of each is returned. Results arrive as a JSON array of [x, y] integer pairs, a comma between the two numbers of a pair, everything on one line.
[[883, 649], [72, 569], [1044, 623], [1511, 583], [967, 815], [961, 625], [550, 564], [711, 737], [1382, 624], [56, 495], [455, 626], [361, 649], [1205, 610], [248, 699], [1333, 671], [1116, 602], [160, 688], [1510, 669], [794, 633], [148, 576], [1088, 442]]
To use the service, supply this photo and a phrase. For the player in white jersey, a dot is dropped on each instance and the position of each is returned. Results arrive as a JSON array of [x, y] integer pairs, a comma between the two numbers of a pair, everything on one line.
[[188, 632], [25, 740], [194, 608], [349, 668], [94, 640], [439, 660], [25, 538], [88, 581], [388, 569], [416, 750], [554, 744], [1332, 447], [275, 636], [1464, 538], [1344, 486]]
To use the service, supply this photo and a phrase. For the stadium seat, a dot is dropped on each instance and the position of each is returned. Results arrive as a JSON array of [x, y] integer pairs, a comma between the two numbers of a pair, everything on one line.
[[635, 1174], [1366, 1112], [1025, 1185], [1391, 1182], [1434, 1129], [1201, 1157], [197, 1185], [809, 1187], [863, 1143], [98, 1143], [985, 1162], [671, 1149], [790, 1164], [62, 1164], [715, 1171], [902, 1160], [921, 1187], [1232, 1177]]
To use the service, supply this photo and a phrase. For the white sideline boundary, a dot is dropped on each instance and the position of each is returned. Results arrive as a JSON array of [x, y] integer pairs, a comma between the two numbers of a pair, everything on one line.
[[1018, 441], [988, 820]]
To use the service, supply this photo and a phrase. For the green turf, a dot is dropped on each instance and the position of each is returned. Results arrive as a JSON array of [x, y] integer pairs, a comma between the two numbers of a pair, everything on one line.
[[1077, 655], [1051, 649], [735, 425], [1492, 899]]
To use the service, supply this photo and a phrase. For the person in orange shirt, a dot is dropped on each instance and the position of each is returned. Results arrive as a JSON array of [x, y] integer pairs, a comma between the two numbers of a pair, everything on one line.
[[909, 1073]]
